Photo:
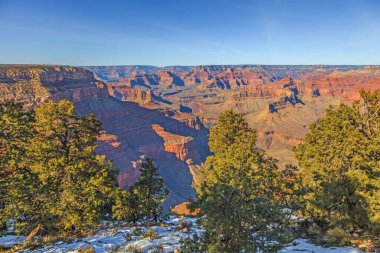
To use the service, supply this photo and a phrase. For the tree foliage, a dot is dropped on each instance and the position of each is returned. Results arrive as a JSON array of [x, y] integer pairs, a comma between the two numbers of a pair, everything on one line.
[[341, 167], [241, 191], [80, 183], [18, 183], [145, 198], [150, 190], [51, 173]]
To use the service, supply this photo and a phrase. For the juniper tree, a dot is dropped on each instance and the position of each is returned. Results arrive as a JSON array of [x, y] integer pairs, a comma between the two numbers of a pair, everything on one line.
[[127, 207], [79, 185], [240, 191], [341, 167], [150, 190], [19, 185], [144, 199]]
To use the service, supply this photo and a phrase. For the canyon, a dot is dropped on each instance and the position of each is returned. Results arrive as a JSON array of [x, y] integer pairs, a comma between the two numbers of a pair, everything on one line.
[[280, 102], [165, 112]]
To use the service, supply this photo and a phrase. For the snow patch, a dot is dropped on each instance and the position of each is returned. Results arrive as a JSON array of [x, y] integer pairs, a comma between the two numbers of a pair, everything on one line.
[[119, 239], [303, 246], [8, 241]]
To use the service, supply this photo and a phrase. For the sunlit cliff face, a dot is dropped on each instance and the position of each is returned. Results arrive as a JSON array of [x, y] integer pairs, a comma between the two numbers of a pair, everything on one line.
[[279, 101]]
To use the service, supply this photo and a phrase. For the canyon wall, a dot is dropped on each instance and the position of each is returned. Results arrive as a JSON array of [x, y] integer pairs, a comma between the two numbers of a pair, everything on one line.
[[129, 130], [279, 101]]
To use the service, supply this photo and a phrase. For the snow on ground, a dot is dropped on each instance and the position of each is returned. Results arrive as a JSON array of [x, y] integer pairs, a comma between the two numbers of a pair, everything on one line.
[[11, 240], [124, 238], [304, 246]]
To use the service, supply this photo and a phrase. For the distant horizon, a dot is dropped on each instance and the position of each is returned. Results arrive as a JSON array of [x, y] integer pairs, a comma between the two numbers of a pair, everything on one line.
[[190, 33], [198, 65]]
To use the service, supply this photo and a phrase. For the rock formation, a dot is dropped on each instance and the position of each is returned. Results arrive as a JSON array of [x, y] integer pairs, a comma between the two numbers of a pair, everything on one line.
[[279, 101]]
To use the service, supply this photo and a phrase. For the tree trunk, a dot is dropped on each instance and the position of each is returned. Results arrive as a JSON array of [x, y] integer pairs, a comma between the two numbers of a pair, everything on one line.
[[33, 234]]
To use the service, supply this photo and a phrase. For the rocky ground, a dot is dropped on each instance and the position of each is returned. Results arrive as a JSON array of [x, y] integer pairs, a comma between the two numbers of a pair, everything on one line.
[[123, 237]]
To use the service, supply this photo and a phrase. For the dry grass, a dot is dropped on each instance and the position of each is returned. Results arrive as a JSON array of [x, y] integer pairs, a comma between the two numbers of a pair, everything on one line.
[[88, 249]]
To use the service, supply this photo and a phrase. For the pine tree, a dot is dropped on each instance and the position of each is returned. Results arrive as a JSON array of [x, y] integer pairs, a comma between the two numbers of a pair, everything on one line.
[[150, 190], [341, 167], [240, 191], [79, 186], [126, 207], [144, 199], [52, 178], [18, 183]]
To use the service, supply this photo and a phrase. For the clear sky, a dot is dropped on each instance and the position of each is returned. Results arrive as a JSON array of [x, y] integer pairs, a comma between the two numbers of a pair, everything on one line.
[[189, 32]]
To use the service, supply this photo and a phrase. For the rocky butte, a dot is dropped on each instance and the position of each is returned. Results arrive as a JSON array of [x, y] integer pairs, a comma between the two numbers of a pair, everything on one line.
[[164, 113]]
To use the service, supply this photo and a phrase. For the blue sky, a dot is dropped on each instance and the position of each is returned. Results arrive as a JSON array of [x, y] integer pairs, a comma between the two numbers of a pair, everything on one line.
[[189, 32]]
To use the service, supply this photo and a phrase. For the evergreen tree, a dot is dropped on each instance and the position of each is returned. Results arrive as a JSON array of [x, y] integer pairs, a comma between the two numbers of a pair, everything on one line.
[[341, 168], [241, 191], [126, 207], [149, 190], [19, 185], [79, 186], [144, 199], [52, 178]]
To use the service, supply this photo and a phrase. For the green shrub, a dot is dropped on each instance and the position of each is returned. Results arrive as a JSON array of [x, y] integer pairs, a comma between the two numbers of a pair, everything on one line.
[[337, 237], [313, 230], [134, 249], [192, 245], [137, 231], [150, 234]]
